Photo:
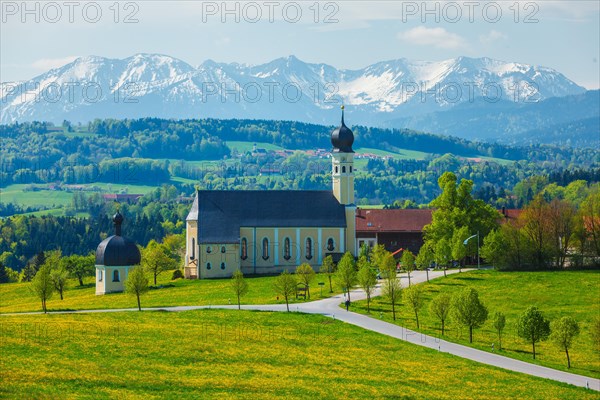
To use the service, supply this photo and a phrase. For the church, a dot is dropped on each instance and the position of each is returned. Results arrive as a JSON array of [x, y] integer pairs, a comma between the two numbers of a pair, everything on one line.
[[267, 232]]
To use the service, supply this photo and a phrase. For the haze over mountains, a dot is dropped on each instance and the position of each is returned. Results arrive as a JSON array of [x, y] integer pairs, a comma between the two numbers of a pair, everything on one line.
[[474, 98]]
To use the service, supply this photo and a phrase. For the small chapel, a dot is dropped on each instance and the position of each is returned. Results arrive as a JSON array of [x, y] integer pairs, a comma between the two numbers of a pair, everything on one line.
[[269, 231]]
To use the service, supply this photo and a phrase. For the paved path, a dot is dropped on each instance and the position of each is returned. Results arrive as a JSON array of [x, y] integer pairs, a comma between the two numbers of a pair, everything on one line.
[[331, 307]]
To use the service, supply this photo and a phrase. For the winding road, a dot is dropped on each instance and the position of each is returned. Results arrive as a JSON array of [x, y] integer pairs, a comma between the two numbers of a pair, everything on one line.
[[330, 307]]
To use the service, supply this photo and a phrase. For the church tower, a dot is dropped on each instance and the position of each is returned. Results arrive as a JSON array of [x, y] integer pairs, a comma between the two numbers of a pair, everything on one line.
[[342, 174]]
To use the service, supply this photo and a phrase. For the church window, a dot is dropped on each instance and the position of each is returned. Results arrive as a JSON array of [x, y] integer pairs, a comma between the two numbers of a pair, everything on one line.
[[222, 249], [351, 168], [308, 248], [222, 265], [330, 244], [208, 249], [286, 249], [244, 251], [344, 169], [336, 169], [99, 275], [193, 249], [265, 249], [208, 266], [116, 276]]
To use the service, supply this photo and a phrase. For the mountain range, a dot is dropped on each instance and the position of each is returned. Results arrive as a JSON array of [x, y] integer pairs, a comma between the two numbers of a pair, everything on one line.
[[475, 98]]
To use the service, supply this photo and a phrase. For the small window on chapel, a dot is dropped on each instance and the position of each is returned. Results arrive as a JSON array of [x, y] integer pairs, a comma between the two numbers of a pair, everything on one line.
[[208, 266], [100, 276], [244, 250], [330, 244], [223, 249], [193, 249], [336, 169], [208, 249], [286, 249], [344, 169], [265, 249], [222, 265], [116, 276], [351, 169], [308, 248]]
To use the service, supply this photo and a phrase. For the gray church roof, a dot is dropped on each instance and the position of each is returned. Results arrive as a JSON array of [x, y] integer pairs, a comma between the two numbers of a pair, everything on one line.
[[220, 213]]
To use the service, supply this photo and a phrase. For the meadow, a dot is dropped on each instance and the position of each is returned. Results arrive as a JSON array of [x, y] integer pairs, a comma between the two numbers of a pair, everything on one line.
[[556, 294], [17, 297], [238, 354]]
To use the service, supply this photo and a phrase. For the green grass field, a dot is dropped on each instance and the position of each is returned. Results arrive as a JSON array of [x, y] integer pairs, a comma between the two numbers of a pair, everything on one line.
[[557, 294], [399, 154], [238, 354], [17, 297], [243, 147]]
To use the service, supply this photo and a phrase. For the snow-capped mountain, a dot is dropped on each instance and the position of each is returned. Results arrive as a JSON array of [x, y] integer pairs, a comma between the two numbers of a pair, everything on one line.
[[152, 85]]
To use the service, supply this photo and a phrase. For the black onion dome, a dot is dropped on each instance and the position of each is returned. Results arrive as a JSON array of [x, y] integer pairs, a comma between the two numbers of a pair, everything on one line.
[[117, 250], [342, 138]]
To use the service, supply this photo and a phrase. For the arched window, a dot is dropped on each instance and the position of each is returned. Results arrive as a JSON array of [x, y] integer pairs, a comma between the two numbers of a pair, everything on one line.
[[287, 249], [193, 249], [208, 249], [223, 249], [343, 169], [330, 244], [351, 168], [336, 169], [244, 249], [222, 265], [308, 248], [116, 276], [265, 249], [99, 275], [208, 266]]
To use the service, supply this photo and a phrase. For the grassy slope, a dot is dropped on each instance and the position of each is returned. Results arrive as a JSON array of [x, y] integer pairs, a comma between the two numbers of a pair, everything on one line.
[[238, 354], [557, 294], [17, 297]]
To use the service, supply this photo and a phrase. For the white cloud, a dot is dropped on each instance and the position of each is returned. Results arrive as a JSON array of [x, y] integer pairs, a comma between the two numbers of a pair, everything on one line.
[[223, 41], [437, 37], [44, 64], [492, 36]]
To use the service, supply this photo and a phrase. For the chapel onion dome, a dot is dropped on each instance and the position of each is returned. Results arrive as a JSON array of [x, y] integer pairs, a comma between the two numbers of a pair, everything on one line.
[[342, 138], [117, 250]]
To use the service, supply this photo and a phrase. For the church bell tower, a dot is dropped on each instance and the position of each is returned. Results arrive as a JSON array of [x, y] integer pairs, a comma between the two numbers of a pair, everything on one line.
[[342, 174]]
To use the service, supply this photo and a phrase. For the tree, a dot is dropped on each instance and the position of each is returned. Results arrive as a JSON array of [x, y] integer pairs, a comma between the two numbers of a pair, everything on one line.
[[367, 279], [443, 253], [378, 255], [469, 311], [493, 247], [3, 274], [458, 247], [440, 307], [33, 267], [305, 275], [328, 268], [536, 228], [392, 288], [413, 296], [346, 273], [156, 258], [137, 283], [239, 286], [79, 266], [425, 258], [562, 226], [564, 331], [42, 285], [408, 262], [285, 285], [499, 320], [60, 278], [532, 326]]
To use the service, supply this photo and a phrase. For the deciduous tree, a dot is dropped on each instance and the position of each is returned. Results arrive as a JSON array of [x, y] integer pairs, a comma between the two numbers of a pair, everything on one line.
[[532, 326], [42, 285], [440, 307], [239, 286], [367, 279], [137, 283], [156, 258], [328, 268], [564, 330], [305, 275], [499, 321], [346, 273], [425, 258], [408, 262], [392, 288], [285, 285], [469, 311], [413, 296]]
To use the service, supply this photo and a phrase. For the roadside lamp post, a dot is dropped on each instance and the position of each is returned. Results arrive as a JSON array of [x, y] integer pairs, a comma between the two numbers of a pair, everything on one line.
[[467, 241]]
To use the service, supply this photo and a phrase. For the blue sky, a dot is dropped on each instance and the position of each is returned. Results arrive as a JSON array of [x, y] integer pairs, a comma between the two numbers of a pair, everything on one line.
[[564, 35]]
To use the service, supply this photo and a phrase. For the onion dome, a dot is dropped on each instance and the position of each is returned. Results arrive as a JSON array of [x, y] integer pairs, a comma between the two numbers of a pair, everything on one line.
[[117, 250], [342, 138]]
